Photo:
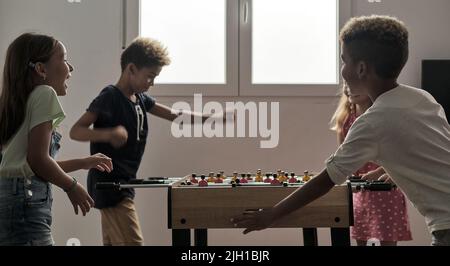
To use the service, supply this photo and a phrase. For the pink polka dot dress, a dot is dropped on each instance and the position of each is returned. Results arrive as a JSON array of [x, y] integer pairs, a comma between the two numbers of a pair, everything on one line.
[[378, 214]]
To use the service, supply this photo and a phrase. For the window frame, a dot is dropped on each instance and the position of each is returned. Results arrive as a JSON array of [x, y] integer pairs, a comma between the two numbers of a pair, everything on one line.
[[238, 59]]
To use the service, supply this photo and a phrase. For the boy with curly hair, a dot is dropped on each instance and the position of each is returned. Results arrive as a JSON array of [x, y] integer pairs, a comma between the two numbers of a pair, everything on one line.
[[405, 130]]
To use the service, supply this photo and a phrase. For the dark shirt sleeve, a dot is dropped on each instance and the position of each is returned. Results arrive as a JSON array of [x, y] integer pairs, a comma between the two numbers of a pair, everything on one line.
[[103, 104], [149, 102]]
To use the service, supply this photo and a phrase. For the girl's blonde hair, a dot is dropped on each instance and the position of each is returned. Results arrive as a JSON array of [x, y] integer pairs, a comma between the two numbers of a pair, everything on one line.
[[342, 111]]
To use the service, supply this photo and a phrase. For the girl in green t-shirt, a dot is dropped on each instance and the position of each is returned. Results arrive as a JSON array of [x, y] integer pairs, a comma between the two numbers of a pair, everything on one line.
[[35, 73]]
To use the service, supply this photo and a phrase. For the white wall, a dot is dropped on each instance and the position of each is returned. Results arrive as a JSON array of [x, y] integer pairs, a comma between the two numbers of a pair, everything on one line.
[[91, 32]]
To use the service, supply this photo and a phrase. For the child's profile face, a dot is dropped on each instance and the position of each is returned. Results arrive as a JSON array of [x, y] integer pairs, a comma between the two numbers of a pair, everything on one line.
[[58, 70], [349, 72], [144, 78], [355, 98]]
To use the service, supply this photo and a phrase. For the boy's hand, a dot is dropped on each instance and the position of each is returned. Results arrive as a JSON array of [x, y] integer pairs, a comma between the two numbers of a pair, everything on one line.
[[80, 198], [386, 178], [99, 161], [118, 137], [254, 220]]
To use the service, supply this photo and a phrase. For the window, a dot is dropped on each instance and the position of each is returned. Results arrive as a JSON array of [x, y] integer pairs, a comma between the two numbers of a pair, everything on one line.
[[244, 47]]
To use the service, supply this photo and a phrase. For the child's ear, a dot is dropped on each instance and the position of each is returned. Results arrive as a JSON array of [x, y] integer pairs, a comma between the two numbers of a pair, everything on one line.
[[362, 69], [132, 67], [41, 70]]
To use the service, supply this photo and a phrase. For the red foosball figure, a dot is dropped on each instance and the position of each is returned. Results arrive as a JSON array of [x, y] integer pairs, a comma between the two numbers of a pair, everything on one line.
[[243, 179], [218, 179], [293, 179], [194, 179], [203, 182], [268, 179], [275, 181], [249, 177]]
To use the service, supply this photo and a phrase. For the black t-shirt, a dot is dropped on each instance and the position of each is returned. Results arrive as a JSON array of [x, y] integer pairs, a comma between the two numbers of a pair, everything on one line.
[[114, 109]]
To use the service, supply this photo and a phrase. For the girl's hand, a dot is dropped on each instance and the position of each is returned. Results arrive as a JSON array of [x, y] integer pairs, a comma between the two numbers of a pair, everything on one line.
[[372, 175], [386, 178], [80, 198], [118, 137], [99, 161]]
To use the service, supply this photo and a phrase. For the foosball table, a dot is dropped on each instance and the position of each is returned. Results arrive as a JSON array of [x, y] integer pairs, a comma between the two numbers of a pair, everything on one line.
[[209, 202]]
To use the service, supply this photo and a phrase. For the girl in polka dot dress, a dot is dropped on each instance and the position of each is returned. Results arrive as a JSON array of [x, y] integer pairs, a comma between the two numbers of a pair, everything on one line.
[[380, 215]]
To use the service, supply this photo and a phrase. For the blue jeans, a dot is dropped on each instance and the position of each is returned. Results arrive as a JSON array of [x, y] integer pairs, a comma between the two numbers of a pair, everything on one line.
[[440, 238], [26, 208], [25, 212]]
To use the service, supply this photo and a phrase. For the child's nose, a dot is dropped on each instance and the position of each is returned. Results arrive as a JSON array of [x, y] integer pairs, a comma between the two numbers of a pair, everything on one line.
[[70, 67]]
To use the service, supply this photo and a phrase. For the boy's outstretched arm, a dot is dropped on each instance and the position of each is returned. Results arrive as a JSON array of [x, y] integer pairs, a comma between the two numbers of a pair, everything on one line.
[[165, 112], [262, 219], [82, 131]]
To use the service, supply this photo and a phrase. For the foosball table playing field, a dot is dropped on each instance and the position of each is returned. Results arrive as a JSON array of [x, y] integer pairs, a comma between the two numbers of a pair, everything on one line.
[[209, 202]]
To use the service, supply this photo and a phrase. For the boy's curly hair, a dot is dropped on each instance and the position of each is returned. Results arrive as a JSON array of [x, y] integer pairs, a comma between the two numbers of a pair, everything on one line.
[[381, 41], [145, 52]]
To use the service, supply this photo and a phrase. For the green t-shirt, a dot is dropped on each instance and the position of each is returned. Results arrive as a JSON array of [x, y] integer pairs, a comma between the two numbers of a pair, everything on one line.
[[42, 106]]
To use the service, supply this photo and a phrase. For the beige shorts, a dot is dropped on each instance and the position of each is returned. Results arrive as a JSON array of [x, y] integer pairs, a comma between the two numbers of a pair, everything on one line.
[[120, 225]]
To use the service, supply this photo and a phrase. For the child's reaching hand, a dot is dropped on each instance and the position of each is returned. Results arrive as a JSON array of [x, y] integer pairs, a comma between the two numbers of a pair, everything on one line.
[[99, 161], [386, 178], [373, 175]]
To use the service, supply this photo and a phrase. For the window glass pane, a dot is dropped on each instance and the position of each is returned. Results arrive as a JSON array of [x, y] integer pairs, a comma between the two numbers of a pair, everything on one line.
[[194, 32], [295, 42]]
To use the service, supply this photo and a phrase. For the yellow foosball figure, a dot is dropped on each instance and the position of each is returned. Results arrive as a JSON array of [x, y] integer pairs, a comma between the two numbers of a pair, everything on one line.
[[211, 178], [279, 175], [259, 177], [235, 177], [306, 176]]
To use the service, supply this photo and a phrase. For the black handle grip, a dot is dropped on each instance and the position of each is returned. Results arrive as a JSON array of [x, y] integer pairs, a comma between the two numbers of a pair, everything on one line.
[[107, 186]]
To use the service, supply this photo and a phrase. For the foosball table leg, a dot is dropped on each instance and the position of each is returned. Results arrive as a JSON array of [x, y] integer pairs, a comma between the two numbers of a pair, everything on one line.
[[201, 237], [181, 237], [310, 237], [340, 236]]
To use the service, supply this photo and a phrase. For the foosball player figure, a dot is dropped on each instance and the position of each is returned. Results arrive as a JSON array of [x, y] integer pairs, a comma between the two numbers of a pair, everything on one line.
[[211, 178], [279, 174], [222, 175], [306, 176], [268, 179], [293, 179], [249, 177], [235, 176], [259, 177], [286, 176], [203, 182], [243, 179], [218, 179], [194, 179], [275, 181]]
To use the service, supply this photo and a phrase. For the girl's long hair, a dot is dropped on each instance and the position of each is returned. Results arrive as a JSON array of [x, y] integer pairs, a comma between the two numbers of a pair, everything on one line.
[[18, 79], [342, 111]]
